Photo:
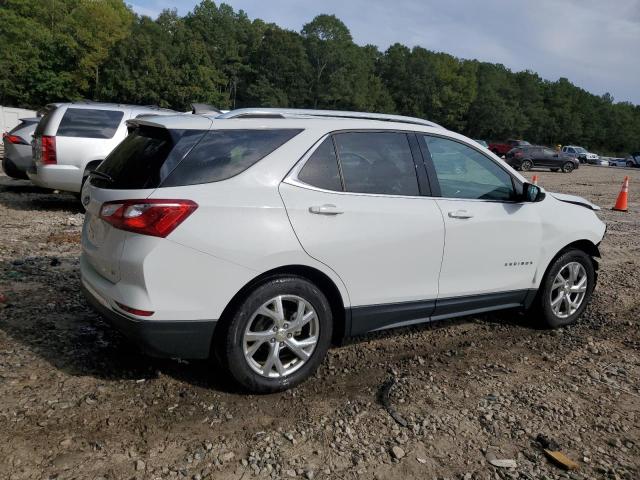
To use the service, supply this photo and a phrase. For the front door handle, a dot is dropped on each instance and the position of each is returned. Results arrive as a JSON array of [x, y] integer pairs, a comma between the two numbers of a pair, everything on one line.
[[326, 209], [460, 214]]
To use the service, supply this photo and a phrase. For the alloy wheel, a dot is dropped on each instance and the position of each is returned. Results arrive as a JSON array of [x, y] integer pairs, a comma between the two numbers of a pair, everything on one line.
[[526, 165], [281, 336], [568, 290]]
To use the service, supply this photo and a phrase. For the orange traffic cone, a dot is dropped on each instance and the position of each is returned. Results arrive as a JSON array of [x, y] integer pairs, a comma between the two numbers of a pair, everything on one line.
[[534, 180], [621, 203]]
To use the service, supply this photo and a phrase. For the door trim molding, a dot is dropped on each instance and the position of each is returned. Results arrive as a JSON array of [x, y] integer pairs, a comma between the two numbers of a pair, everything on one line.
[[372, 318]]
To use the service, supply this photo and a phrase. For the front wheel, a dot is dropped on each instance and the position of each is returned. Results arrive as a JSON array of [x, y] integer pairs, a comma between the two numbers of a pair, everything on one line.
[[565, 290], [629, 164], [567, 167], [526, 165], [277, 336]]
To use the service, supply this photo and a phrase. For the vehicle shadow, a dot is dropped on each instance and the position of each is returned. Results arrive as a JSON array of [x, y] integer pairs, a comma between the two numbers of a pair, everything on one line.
[[46, 313], [57, 325], [22, 195]]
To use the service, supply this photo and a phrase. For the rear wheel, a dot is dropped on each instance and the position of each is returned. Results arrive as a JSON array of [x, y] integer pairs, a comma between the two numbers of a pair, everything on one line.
[[567, 167], [629, 163], [526, 165], [565, 290], [277, 336]]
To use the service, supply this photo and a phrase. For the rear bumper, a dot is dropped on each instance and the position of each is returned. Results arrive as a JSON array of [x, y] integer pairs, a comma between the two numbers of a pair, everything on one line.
[[57, 177], [189, 339], [18, 155]]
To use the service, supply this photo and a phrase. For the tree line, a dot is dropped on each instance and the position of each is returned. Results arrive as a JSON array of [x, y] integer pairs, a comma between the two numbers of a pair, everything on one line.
[[60, 50]]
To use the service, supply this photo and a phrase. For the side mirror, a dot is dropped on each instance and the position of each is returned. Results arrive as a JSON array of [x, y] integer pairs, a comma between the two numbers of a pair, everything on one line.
[[532, 193]]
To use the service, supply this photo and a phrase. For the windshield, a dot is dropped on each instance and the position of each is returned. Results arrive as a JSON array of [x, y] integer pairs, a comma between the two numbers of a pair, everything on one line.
[[580, 150]]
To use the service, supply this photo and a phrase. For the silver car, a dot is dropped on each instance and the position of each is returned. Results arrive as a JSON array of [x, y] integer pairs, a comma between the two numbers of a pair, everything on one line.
[[73, 138], [17, 148]]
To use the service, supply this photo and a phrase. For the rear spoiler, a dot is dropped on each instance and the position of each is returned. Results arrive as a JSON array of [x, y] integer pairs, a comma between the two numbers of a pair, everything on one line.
[[179, 121], [136, 122], [203, 109]]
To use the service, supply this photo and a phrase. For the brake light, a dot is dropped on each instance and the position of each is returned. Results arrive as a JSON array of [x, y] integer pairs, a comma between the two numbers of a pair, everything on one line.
[[15, 139], [48, 150], [154, 217]]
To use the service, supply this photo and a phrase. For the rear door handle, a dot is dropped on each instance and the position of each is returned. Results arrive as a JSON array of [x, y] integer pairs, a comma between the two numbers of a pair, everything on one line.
[[326, 209], [460, 214]]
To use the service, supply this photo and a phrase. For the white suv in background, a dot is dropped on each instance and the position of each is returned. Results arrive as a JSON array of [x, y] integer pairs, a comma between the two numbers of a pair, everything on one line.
[[260, 236], [582, 155], [72, 139]]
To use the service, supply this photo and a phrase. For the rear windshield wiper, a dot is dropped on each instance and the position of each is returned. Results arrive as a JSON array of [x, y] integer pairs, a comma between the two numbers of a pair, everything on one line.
[[102, 175]]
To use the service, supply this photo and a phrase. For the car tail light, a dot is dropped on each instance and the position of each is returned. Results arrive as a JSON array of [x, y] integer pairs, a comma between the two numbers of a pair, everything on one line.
[[135, 311], [15, 139], [153, 217], [48, 150]]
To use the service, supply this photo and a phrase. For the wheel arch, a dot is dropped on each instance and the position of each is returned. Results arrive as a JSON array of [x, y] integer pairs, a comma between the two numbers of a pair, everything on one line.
[[587, 246], [341, 317]]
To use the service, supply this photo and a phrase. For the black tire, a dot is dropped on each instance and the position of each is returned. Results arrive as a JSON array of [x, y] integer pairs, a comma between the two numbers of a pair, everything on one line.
[[567, 167], [11, 170], [541, 310], [526, 165], [629, 164], [230, 337], [555, 169]]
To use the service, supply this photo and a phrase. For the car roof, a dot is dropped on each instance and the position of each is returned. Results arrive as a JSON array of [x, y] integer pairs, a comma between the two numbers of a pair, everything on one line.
[[329, 120], [86, 104]]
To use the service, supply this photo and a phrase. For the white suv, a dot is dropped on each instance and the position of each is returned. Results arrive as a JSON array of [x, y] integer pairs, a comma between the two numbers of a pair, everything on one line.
[[72, 139], [262, 235]]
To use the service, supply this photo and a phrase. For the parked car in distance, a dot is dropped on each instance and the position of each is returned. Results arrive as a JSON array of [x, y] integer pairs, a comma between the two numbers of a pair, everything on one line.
[[17, 148], [581, 154], [527, 157], [73, 138], [633, 160], [620, 161], [262, 235], [501, 149], [483, 143]]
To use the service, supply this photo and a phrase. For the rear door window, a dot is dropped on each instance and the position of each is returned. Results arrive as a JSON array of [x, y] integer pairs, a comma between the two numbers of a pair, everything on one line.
[[321, 169], [89, 123], [222, 154], [377, 162]]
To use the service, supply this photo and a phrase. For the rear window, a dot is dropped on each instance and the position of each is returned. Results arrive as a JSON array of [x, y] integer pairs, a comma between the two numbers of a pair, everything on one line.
[[222, 154], [145, 158], [88, 123], [152, 157], [22, 124], [45, 120]]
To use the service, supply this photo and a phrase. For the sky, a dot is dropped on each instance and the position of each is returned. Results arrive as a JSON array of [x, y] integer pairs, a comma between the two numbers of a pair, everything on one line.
[[593, 43]]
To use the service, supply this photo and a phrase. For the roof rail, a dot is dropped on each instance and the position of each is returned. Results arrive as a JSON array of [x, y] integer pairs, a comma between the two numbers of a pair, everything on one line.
[[300, 112]]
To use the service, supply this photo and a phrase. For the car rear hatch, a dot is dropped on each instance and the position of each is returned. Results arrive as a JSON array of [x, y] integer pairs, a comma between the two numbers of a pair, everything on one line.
[[132, 171]]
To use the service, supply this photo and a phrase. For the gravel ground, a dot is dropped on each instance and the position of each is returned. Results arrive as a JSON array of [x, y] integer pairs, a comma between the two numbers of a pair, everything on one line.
[[77, 401]]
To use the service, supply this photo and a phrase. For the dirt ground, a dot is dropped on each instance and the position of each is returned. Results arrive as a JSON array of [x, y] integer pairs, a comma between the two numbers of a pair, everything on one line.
[[77, 401]]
